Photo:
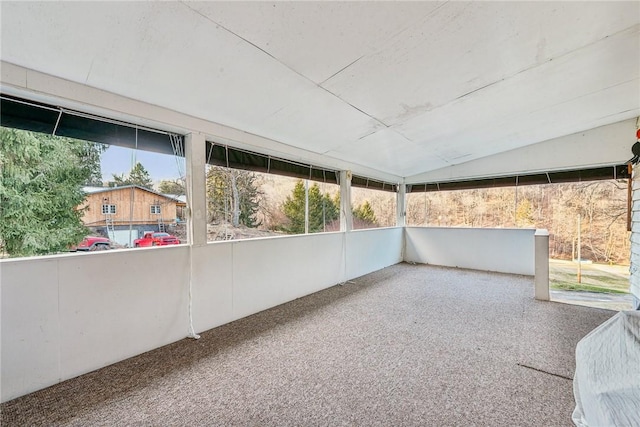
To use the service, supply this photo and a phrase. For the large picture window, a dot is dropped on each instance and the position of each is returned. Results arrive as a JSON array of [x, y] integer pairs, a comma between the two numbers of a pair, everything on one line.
[[87, 182], [243, 204]]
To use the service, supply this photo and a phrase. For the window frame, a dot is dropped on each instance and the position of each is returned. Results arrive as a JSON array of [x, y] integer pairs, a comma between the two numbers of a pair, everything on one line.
[[110, 209]]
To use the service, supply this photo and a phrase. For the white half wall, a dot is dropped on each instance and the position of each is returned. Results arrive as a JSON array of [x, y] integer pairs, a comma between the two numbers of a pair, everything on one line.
[[66, 315], [490, 249], [373, 249], [239, 278]]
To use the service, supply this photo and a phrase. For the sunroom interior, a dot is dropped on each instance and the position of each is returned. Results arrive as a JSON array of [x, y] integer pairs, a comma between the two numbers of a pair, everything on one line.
[[403, 97]]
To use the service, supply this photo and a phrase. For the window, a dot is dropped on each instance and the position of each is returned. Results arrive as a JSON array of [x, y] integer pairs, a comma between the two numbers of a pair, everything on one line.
[[85, 174], [155, 209], [243, 204], [108, 209], [373, 208]]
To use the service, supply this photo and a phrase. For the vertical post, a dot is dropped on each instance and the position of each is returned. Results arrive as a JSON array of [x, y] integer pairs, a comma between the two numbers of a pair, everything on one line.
[[195, 186], [424, 218], [541, 280], [306, 206], [346, 219], [579, 251], [401, 210], [515, 205], [629, 194]]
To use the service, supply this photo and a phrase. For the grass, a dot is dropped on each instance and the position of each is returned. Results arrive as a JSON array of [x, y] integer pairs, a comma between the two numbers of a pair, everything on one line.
[[574, 286], [595, 277]]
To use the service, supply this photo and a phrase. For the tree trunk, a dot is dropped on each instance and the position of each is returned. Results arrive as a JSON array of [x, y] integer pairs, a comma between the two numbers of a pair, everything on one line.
[[235, 221]]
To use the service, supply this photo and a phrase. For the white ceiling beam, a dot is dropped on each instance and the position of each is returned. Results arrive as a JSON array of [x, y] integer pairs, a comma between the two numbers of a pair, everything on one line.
[[602, 146], [20, 81]]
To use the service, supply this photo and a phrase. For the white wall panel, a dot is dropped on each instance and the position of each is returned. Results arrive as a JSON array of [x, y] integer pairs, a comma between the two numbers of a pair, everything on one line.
[[30, 330], [212, 285], [269, 272], [119, 304], [66, 315], [371, 250], [501, 250]]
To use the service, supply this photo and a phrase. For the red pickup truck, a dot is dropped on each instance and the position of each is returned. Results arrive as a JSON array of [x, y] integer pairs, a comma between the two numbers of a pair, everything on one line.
[[156, 239], [92, 243]]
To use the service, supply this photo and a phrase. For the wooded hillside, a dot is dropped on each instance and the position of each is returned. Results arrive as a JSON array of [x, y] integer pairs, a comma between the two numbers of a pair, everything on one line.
[[602, 206]]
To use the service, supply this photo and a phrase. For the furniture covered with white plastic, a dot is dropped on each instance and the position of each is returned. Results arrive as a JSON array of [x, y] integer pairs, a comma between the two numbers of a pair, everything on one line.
[[606, 384]]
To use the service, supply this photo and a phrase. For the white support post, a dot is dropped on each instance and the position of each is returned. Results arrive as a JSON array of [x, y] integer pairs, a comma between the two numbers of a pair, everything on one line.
[[541, 280], [195, 183], [401, 206], [346, 219], [306, 206]]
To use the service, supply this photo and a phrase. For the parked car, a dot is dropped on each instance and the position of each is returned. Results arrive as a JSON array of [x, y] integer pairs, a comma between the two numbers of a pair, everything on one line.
[[156, 239], [93, 243]]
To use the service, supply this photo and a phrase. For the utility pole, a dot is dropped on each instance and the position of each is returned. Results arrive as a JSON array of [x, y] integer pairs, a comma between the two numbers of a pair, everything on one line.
[[579, 256]]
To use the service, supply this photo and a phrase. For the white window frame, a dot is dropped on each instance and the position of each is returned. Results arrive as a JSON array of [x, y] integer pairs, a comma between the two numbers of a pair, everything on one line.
[[108, 209], [155, 210]]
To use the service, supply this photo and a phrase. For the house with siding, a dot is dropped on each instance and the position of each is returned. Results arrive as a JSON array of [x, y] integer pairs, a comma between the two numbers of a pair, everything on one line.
[[124, 213]]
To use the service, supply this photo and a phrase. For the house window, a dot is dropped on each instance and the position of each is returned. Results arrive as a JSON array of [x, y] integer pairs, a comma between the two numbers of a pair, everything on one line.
[[155, 209], [108, 209]]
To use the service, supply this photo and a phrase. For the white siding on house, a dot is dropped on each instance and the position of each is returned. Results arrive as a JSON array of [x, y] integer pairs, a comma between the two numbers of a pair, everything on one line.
[[634, 267]]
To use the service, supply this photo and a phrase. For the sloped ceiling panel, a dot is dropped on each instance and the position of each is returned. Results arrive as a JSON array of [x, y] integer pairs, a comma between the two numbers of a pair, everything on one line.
[[387, 147], [404, 88], [464, 47], [316, 39]]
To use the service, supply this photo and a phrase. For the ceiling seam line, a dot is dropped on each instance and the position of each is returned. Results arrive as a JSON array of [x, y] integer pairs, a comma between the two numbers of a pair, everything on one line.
[[354, 107], [250, 43], [243, 39], [527, 113], [278, 153], [289, 68], [340, 71], [427, 15], [586, 94], [531, 68], [285, 65]]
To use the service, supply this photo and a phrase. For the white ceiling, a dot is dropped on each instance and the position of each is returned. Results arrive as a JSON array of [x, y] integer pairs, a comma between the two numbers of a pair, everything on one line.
[[404, 88]]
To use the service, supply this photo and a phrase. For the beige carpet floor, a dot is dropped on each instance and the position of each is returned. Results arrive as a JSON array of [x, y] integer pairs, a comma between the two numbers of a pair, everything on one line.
[[410, 345]]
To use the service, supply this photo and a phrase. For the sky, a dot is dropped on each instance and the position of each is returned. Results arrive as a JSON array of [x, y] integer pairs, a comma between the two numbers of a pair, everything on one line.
[[119, 160]]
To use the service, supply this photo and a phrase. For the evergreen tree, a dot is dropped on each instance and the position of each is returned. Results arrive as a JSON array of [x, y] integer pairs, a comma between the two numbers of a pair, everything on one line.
[[365, 213], [322, 209], [138, 176], [40, 191], [233, 196], [90, 154]]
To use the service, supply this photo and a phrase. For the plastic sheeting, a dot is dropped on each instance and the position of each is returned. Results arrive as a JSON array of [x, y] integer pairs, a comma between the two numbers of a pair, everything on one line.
[[606, 384]]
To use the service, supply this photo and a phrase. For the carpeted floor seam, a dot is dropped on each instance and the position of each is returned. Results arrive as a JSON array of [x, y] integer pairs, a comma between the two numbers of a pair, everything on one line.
[[544, 372]]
